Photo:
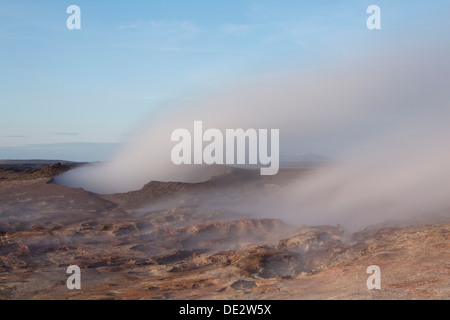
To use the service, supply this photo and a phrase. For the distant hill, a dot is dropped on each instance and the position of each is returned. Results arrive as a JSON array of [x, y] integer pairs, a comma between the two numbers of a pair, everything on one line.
[[32, 163], [34, 169]]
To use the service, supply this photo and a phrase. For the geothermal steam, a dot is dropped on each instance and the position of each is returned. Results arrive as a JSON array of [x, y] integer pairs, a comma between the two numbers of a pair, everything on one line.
[[386, 120]]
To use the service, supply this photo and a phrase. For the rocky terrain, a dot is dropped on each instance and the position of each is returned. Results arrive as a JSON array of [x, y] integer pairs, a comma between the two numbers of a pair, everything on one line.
[[159, 243]]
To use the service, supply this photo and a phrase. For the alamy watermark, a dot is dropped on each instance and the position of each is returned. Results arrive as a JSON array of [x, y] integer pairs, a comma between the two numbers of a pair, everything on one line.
[[374, 20], [374, 281], [234, 150], [74, 20], [74, 281]]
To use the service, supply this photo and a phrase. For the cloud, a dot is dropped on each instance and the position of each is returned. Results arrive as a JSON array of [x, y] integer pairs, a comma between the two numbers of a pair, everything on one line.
[[66, 133], [164, 36], [237, 30], [130, 26], [169, 30]]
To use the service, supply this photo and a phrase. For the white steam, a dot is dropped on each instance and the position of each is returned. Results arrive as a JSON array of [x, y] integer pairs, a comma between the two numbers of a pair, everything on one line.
[[387, 121]]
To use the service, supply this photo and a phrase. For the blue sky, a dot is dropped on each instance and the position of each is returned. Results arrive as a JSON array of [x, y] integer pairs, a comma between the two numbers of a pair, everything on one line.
[[62, 88]]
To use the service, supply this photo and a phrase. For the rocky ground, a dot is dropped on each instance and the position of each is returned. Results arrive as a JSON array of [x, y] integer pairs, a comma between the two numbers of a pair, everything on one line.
[[129, 248]]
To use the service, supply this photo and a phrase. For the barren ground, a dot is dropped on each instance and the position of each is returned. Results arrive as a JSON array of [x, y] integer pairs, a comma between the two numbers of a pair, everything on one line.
[[186, 252]]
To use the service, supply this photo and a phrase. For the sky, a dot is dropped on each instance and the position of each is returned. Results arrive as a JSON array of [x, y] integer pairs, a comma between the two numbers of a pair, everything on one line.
[[76, 94]]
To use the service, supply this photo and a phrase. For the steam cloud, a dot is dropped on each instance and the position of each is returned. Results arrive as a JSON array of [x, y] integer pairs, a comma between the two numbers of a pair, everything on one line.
[[385, 120]]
